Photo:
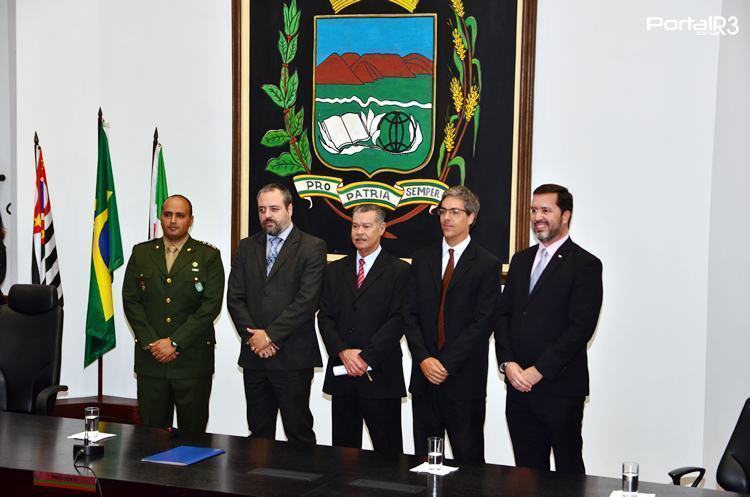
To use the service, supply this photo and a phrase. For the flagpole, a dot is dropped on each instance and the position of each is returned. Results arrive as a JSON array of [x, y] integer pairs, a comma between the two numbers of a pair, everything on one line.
[[153, 148], [153, 156], [100, 361], [36, 165]]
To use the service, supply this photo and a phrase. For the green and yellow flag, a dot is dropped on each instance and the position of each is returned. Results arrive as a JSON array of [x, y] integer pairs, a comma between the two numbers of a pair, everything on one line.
[[106, 256]]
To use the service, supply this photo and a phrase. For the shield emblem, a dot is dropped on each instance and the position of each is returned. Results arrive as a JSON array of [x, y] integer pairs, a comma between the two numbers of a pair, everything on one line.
[[374, 92]]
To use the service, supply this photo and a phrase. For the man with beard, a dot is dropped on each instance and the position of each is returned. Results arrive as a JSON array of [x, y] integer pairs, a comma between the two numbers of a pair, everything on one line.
[[172, 293], [361, 324], [547, 314], [272, 296], [450, 305]]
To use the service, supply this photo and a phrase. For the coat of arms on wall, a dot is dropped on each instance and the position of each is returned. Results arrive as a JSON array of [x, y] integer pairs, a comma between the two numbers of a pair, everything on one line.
[[387, 102]]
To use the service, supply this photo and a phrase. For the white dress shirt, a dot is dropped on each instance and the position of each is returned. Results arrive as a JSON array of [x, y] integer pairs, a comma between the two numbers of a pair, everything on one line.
[[283, 235], [369, 261], [551, 249], [457, 251]]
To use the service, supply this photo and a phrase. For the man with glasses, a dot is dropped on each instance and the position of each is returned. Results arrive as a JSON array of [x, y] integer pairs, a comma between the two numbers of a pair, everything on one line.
[[452, 290], [547, 314]]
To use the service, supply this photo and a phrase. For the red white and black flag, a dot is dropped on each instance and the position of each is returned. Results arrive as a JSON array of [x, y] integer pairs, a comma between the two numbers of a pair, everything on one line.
[[44, 267]]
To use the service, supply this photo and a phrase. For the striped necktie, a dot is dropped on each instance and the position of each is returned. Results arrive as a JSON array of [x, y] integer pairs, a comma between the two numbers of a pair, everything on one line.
[[361, 273], [273, 252]]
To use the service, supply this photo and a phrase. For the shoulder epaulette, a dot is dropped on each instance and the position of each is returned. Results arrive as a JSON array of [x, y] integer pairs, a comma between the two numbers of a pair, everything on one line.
[[148, 241], [207, 244]]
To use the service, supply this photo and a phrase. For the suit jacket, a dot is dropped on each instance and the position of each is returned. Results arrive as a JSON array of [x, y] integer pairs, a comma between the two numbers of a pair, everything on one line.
[[469, 311], [181, 304], [282, 303], [367, 318], [551, 327]]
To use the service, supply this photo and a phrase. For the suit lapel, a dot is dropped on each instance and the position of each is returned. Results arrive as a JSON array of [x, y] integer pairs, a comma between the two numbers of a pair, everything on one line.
[[158, 255], [435, 263], [260, 252], [350, 274], [289, 246], [375, 272], [526, 265], [552, 266], [463, 265]]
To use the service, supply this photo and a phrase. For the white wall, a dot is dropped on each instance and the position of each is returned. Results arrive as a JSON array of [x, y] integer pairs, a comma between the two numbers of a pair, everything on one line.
[[727, 368], [624, 117], [57, 61]]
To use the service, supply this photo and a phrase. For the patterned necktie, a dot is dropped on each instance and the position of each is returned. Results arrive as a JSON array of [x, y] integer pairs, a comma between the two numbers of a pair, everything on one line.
[[447, 275], [273, 253], [538, 269], [361, 273], [171, 256]]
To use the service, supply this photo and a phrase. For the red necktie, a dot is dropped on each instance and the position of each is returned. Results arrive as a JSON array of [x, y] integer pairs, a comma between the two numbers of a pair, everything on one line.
[[447, 275], [361, 273]]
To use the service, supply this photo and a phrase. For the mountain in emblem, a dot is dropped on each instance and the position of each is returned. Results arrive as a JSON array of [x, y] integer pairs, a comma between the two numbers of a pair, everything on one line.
[[389, 65], [418, 64], [350, 58], [366, 72], [335, 71], [353, 69]]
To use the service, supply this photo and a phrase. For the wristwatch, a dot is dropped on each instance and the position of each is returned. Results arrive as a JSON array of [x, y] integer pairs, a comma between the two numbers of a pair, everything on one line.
[[176, 347], [503, 365]]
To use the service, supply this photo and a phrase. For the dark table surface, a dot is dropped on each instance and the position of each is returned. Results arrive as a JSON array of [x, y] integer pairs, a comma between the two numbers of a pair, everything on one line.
[[249, 467]]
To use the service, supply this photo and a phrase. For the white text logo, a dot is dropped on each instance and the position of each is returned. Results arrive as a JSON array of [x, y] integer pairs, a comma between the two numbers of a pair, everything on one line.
[[708, 26]]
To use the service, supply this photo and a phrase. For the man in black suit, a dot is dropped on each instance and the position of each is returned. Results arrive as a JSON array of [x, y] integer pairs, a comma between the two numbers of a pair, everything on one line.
[[547, 314], [361, 324], [452, 291], [272, 296]]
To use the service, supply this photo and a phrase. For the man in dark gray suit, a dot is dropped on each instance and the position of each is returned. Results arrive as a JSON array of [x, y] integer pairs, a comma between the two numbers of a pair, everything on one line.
[[272, 296]]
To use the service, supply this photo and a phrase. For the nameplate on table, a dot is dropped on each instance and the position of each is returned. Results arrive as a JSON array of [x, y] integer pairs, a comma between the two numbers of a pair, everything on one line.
[[387, 485], [284, 473], [59, 480]]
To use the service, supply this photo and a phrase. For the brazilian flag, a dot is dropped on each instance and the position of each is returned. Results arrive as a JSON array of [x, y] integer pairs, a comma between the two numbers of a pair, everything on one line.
[[106, 256]]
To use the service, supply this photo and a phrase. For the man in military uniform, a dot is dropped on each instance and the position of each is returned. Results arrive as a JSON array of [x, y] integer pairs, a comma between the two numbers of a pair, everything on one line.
[[172, 294]]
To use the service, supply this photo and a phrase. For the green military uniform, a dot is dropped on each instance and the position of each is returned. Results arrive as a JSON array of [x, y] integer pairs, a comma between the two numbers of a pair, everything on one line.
[[180, 304]]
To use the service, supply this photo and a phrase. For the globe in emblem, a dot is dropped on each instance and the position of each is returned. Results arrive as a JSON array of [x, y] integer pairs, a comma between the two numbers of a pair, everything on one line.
[[395, 133]]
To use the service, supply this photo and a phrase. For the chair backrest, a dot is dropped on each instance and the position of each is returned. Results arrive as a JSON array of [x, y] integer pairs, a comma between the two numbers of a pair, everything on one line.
[[733, 473], [30, 343]]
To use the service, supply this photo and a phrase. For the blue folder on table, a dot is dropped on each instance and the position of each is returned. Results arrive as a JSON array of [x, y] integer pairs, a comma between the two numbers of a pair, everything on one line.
[[184, 455]]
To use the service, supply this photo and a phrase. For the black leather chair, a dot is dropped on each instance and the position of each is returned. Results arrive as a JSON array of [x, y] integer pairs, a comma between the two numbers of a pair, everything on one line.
[[31, 328], [733, 473]]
